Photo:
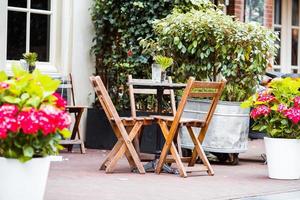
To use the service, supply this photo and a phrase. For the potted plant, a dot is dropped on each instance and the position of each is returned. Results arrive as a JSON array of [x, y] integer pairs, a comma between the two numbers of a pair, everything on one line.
[[210, 45], [31, 59], [32, 123], [164, 62], [276, 111]]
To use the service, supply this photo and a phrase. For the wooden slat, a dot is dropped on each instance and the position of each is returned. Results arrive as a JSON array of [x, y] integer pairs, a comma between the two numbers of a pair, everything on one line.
[[202, 94], [170, 159], [201, 84], [200, 168]]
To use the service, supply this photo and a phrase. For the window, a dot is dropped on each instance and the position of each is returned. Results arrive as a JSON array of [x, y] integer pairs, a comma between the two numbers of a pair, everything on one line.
[[286, 23], [254, 11], [30, 26], [277, 27]]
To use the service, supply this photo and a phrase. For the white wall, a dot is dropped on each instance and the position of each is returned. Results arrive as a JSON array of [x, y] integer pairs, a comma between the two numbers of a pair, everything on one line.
[[82, 63]]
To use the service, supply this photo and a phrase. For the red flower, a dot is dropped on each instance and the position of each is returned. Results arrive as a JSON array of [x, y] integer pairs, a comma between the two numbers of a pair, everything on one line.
[[293, 114], [8, 110], [46, 124], [3, 132], [260, 111], [11, 124], [29, 122], [129, 53], [60, 102], [297, 102]]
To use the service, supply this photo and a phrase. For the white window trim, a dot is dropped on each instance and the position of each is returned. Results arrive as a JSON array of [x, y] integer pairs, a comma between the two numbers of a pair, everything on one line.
[[50, 67], [286, 38]]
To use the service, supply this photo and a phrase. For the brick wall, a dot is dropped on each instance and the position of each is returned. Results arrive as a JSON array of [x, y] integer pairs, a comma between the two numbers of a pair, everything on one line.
[[268, 14], [236, 8]]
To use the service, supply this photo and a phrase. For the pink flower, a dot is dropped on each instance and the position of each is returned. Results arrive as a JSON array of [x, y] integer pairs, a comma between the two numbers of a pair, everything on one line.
[[4, 85], [260, 111], [65, 121], [293, 114], [297, 102], [282, 108], [265, 97], [60, 102]]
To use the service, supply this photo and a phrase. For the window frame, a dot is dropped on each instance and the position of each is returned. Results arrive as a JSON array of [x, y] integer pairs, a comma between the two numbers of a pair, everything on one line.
[[286, 38], [46, 67]]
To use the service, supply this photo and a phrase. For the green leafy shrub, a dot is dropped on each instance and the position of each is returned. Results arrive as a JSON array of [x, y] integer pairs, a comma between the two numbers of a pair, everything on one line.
[[276, 110], [207, 44]]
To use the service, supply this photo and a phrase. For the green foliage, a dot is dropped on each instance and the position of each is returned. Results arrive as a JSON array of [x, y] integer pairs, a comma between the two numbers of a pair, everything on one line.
[[30, 58], [208, 44], [277, 110], [29, 91], [119, 26], [163, 61]]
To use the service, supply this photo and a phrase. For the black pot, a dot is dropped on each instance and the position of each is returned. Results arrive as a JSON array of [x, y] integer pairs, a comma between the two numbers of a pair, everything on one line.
[[99, 134]]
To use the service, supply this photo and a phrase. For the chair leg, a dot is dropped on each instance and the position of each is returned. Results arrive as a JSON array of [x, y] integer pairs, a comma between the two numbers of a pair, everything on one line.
[[126, 145], [199, 150], [110, 155], [194, 153], [128, 141], [75, 131], [173, 151]]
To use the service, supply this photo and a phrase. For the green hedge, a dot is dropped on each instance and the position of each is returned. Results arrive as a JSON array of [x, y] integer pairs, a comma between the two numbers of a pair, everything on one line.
[[207, 44]]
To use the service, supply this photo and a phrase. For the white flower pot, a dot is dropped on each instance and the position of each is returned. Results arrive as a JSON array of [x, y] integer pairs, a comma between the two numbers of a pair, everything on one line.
[[23, 180], [283, 158], [156, 73]]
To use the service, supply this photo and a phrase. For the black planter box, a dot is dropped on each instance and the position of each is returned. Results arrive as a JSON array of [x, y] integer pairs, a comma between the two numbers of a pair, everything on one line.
[[99, 134]]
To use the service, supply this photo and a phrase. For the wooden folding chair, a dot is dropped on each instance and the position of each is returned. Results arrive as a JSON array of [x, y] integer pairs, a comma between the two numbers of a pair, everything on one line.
[[125, 137], [170, 127], [66, 89], [133, 91]]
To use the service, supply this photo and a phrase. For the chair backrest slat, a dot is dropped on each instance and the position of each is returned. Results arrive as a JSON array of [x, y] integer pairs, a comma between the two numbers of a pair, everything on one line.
[[209, 85], [105, 100], [202, 94]]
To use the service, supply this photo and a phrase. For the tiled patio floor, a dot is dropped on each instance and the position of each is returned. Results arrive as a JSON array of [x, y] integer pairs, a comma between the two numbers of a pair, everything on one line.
[[78, 178]]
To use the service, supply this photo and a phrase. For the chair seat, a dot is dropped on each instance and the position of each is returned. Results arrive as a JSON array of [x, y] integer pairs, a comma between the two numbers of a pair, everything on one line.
[[183, 121], [130, 121]]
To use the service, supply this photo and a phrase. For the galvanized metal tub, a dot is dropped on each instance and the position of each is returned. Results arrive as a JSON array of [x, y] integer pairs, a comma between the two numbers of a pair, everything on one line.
[[228, 130]]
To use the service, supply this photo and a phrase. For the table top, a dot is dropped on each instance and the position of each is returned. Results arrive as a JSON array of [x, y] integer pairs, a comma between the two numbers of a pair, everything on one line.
[[148, 83]]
